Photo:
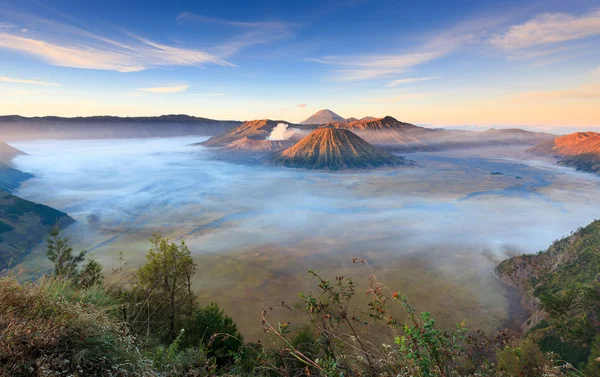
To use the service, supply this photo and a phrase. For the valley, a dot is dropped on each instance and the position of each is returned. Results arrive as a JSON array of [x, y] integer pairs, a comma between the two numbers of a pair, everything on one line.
[[434, 229]]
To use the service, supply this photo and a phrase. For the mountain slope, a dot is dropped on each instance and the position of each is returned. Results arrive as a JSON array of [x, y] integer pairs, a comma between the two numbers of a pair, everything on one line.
[[7, 153], [254, 129], [250, 145], [11, 178], [335, 149], [561, 289], [387, 132], [14, 127], [258, 129], [24, 224], [323, 117], [580, 150]]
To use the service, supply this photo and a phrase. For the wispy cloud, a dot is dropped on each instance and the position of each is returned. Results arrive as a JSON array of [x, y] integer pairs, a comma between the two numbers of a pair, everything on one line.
[[302, 105], [354, 68], [109, 56], [411, 80], [363, 67], [25, 81], [165, 89], [549, 28], [66, 45], [250, 33], [398, 98]]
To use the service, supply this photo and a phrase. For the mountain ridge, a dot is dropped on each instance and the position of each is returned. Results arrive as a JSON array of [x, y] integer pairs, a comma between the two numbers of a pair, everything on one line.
[[580, 150]]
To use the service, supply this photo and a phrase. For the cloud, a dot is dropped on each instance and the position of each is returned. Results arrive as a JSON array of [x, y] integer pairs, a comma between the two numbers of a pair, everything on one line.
[[30, 82], [549, 28], [302, 105], [411, 80], [165, 89], [584, 92], [80, 54], [354, 68], [372, 66], [250, 33], [398, 98], [65, 45]]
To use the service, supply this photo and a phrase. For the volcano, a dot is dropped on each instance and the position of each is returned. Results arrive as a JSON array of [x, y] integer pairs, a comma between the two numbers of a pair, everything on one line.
[[335, 149], [323, 117]]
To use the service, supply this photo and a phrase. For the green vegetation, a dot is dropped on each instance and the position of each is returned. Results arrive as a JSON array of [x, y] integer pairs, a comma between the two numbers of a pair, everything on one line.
[[73, 323], [24, 224], [562, 285]]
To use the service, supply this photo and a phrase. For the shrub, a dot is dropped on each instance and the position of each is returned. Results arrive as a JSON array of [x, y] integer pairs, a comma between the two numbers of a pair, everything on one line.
[[47, 328], [210, 329]]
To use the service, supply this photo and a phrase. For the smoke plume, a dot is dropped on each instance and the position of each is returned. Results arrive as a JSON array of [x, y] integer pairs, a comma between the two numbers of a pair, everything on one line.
[[281, 132]]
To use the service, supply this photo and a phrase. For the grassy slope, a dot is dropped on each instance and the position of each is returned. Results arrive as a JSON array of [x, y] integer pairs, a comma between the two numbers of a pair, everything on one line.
[[562, 288], [24, 224]]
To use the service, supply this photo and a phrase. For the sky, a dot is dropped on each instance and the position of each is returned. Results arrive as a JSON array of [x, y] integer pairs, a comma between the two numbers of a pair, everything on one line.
[[431, 62]]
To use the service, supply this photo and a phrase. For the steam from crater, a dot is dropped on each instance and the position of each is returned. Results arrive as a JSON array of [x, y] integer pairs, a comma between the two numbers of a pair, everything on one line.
[[281, 132]]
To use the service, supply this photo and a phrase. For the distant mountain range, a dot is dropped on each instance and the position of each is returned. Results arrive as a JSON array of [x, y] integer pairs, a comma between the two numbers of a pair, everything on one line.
[[580, 150], [15, 127], [335, 149], [386, 132]]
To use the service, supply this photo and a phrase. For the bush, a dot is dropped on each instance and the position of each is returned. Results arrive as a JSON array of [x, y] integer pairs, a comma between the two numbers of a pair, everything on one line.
[[47, 328], [210, 329]]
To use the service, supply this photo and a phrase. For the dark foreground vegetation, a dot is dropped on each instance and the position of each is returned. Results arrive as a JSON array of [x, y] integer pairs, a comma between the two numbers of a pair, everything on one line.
[[73, 323]]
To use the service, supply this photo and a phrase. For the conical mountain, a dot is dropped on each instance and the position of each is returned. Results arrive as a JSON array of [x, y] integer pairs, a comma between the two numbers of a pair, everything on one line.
[[323, 117], [335, 149]]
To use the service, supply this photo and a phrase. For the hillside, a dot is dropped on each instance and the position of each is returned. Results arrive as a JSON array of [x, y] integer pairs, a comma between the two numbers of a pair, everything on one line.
[[387, 132], [323, 117], [580, 150], [11, 178], [254, 129], [24, 224], [7, 153], [561, 290], [250, 145], [391, 133], [14, 127], [335, 149]]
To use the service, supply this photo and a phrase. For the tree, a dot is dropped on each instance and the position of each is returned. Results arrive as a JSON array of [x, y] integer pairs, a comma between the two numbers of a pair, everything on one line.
[[61, 255], [91, 274], [166, 281], [211, 329]]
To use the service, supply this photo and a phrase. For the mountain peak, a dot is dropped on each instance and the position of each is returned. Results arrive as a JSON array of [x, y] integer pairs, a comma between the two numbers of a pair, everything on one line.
[[335, 149], [323, 117]]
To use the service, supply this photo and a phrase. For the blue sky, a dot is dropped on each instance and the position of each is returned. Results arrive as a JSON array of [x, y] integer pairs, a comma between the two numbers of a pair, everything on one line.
[[427, 62]]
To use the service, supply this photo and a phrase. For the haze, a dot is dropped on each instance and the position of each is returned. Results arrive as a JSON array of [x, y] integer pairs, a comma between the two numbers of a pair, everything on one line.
[[434, 230]]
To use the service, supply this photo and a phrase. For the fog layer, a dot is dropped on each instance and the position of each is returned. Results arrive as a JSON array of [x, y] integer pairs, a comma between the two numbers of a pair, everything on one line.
[[433, 231]]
